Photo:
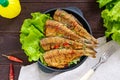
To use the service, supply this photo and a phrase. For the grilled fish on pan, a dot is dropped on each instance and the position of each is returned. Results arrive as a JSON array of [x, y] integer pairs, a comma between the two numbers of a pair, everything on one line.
[[73, 24], [66, 40], [60, 58], [49, 43], [55, 28]]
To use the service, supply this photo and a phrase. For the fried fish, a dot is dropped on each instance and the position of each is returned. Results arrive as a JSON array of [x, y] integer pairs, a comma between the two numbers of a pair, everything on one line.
[[50, 43], [60, 58], [55, 28], [73, 24]]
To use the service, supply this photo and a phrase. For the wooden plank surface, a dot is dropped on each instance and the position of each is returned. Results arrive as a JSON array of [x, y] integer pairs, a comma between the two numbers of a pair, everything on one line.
[[10, 29], [58, 1], [90, 10]]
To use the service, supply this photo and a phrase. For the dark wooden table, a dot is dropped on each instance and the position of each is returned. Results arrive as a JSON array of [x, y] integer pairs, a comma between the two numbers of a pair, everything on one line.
[[10, 29]]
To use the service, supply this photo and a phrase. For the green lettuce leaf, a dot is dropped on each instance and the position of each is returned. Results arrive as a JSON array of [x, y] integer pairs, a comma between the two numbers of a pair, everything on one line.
[[37, 22], [113, 14], [103, 2], [111, 18], [116, 36], [32, 31]]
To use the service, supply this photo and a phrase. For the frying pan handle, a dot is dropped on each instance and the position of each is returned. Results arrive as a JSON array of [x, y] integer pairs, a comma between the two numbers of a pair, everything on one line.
[[76, 10]]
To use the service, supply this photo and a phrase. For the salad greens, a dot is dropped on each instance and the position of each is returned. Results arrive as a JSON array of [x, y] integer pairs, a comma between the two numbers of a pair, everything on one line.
[[111, 18], [75, 61], [31, 32]]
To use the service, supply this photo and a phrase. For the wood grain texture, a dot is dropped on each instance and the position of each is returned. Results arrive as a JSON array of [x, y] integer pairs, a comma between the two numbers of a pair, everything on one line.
[[10, 29], [4, 71], [90, 10], [58, 1]]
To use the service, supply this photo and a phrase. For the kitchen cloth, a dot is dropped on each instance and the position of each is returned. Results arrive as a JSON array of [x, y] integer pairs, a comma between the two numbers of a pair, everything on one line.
[[109, 70]]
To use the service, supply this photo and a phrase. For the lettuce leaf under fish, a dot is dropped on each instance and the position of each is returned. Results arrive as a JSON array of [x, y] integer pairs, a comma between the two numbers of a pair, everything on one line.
[[32, 31]]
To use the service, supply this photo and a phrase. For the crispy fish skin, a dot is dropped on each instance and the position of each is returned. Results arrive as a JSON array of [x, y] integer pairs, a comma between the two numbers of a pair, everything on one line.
[[60, 58], [50, 43], [73, 23], [59, 42], [66, 30], [55, 28]]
